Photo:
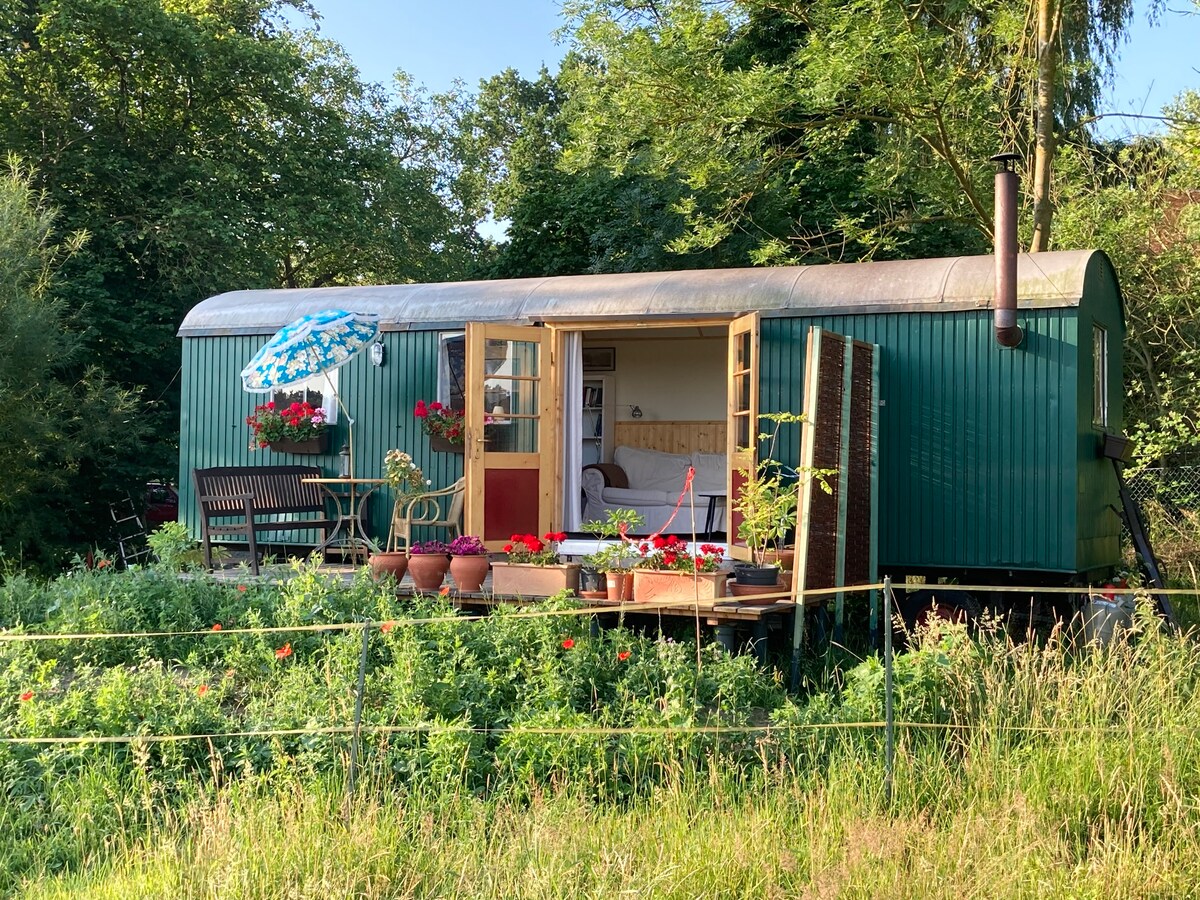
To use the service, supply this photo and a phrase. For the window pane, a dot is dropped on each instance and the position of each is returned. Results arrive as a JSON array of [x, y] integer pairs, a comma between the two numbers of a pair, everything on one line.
[[742, 428], [1099, 376]]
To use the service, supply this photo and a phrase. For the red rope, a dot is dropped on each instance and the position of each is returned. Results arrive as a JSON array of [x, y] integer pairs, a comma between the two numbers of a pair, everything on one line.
[[687, 487]]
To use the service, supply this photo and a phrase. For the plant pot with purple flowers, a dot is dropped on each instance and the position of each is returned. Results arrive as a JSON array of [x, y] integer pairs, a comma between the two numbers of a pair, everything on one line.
[[428, 563], [469, 563]]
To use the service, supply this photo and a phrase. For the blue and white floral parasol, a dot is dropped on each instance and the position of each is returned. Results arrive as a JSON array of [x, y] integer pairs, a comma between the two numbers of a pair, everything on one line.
[[312, 345]]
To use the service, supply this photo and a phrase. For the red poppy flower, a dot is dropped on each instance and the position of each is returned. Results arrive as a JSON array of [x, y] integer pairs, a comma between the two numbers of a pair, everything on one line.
[[386, 627], [568, 643], [445, 591], [102, 564], [623, 655], [216, 626], [202, 690], [242, 588], [27, 696], [285, 651]]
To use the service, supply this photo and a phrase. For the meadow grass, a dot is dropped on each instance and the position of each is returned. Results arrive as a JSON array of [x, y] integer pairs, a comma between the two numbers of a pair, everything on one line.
[[1062, 773], [1036, 769]]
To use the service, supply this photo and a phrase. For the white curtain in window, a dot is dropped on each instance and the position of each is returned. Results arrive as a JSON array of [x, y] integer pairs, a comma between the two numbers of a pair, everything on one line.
[[572, 429]]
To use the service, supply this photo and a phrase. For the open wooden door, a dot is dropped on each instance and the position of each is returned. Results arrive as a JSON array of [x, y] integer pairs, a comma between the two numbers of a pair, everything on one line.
[[510, 438], [742, 419]]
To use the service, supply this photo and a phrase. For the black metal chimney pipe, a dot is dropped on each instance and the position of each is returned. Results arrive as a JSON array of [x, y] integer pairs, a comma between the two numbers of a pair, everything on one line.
[[1004, 307]]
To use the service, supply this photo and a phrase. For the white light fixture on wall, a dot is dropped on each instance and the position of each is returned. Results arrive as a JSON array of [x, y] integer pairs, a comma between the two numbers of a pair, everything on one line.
[[378, 354]]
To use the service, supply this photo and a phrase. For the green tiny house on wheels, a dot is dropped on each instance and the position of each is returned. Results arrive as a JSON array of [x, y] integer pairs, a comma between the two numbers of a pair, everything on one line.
[[990, 458]]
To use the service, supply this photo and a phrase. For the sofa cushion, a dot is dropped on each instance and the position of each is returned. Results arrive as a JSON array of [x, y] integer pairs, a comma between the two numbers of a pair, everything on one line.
[[633, 497], [651, 470], [712, 472]]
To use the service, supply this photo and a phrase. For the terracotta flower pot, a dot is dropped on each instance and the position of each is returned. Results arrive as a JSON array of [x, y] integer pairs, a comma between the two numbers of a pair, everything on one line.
[[428, 570], [619, 585], [528, 580], [752, 594], [469, 572], [394, 563]]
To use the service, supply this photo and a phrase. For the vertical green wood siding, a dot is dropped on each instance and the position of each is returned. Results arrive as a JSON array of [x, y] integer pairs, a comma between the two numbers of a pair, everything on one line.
[[978, 445], [213, 430]]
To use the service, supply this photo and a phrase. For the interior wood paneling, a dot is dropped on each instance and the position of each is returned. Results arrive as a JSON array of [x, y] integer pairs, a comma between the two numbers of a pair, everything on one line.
[[672, 437]]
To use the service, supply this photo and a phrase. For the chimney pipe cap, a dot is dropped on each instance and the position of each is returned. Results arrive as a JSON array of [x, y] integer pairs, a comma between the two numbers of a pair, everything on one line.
[[1005, 162]]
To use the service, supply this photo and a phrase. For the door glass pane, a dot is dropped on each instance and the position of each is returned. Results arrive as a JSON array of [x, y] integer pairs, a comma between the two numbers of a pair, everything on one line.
[[510, 390], [741, 426], [741, 393], [743, 350]]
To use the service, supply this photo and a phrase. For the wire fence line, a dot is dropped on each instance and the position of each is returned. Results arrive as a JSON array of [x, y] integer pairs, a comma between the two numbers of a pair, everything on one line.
[[356, 728], [1177, 488]]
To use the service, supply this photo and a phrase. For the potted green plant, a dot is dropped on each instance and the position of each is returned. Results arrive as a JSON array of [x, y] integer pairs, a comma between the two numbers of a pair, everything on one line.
[[613, 560], [298, 428], [533, 567], [407, 481], [766, 510]]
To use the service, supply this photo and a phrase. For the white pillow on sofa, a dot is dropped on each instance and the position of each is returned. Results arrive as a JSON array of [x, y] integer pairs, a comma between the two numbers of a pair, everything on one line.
[[652, 470], [712, 472]]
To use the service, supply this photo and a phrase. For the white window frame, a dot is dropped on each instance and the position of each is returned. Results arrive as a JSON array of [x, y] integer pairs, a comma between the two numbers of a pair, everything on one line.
[[445, 381], [1099, 376]]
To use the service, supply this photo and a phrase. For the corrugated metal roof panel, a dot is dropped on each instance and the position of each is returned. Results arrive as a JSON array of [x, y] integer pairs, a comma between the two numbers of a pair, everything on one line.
[[1047, 280]]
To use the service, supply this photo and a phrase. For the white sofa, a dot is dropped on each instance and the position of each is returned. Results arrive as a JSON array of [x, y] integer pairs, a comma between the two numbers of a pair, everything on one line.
[[650, 482]]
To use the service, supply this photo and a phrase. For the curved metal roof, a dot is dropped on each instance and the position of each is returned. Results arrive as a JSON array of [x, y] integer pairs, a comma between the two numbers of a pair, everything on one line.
[[924, 285]]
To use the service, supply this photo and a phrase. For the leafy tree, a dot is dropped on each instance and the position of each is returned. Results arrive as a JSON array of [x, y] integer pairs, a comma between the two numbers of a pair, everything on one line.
[[865, 128], [58, 423], [1140, 202], [204, 146]]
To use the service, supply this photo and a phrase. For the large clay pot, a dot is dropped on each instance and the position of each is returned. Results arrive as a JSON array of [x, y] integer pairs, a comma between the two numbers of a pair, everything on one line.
[[393, 563], [468, 572], [427, 570], [619, 585]]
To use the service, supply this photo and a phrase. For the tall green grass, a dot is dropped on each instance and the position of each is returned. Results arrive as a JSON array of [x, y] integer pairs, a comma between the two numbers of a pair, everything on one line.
[[1055, 771]]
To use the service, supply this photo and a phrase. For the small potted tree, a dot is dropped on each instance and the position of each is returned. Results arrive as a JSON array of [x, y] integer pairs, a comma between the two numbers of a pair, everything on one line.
[[612, 560], [766, 506]]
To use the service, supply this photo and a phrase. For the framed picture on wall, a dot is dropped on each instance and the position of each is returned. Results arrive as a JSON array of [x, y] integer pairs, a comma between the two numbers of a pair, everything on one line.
[[599, 359]]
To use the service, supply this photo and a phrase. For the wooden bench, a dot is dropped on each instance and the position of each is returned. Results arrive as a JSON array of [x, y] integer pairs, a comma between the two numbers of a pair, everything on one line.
[[258, 498]]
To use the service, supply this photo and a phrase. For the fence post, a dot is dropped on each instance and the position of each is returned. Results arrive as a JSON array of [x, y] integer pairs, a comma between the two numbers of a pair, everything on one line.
[[889, 739], [358, 704]]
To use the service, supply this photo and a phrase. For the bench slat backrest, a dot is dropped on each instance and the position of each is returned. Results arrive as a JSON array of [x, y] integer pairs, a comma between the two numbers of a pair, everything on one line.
[[276, 490]]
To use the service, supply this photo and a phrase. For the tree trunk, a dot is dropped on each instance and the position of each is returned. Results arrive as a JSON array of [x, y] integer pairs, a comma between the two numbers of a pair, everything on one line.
[[1047, 28]]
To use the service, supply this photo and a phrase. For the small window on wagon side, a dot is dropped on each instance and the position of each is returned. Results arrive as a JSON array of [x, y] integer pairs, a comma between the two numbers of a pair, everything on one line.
[[1099, 376]]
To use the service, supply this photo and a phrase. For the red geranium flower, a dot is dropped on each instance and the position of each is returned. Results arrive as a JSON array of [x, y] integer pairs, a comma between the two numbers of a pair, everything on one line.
[[568, 643], [285, 651]]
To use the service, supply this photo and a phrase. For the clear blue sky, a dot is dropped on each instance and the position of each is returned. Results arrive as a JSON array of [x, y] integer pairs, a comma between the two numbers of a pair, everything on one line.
[[474, 39]]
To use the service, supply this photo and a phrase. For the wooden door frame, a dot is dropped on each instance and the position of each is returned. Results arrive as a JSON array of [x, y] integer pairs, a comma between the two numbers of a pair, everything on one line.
[[476, 455], [739, 458]]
